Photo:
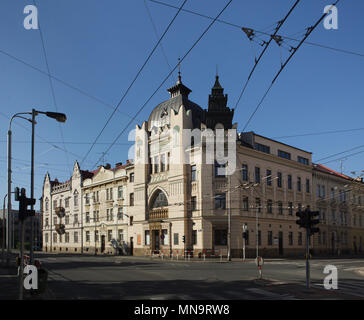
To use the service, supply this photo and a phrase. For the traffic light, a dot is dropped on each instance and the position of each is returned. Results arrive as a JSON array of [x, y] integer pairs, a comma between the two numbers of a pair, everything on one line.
[[24, 202], [303, 218], [313, 222], [183, 239], [245, 235]]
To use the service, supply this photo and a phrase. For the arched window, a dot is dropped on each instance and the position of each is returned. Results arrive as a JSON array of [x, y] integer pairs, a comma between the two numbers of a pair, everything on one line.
[[159, 200], [175, 133], [75, 198]]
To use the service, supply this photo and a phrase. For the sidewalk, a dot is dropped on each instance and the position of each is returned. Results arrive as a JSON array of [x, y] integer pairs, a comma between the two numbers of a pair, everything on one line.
[[299, 291]]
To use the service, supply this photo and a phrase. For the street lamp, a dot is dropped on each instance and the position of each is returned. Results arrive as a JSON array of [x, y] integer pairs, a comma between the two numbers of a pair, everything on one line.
[[60, 117]]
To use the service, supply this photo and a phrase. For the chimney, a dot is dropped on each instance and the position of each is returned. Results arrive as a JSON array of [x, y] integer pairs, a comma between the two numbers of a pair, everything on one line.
[[108, 166], [118, 164]]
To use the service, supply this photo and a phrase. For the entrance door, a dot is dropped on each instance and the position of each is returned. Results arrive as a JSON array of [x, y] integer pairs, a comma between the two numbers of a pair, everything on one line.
[[102, 244], [156, 240], [280, 243], [131, 246]]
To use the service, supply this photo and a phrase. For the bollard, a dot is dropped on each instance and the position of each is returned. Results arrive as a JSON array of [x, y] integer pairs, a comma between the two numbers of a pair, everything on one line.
[[162, 255], [220, 257], [177, 256], [204, 257], [189, 257]]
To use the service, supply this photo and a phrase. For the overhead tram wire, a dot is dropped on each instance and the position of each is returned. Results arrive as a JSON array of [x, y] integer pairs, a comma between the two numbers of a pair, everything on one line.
[[344, 157], [66, 84], [318, 133], [166, 78], [51, 85], [279, 25], [133, 81], [339, 153], [309, 31], [43, 139], [261, 32]]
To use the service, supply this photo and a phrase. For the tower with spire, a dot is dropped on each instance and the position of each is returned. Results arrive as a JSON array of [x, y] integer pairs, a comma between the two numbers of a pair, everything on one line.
[[218, 111]]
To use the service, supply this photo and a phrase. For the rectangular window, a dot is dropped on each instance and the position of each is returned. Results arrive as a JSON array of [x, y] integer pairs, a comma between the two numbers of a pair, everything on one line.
[[87, 217], [194, 237], [303, 160], [131, 220], [131, 199], [46, 222], [269, 177], [175, 239], [290, 208], [220, 237], [75, 218], [270, 238], [246, 204], [55, 220], [67, 202], [258, 204], [156, 164], [323, 191], [220, 201], [262, 148], [67, 237], [289, 182], [120, 192], [121, 235], [284, 154], [87, 236], [298, 184], [220, 169], [87, 198], [147, 238], [75, 200], [67, 220], [54, 204], [280, 207], [257, 175], [193, 173], [269, 206], [279, 180], [300, 238], [109, 235], [290, 238], [75, 237], [193, 203], [120, 213], [163, 162], [55, 237], [46, 238], [244, 172], [308, 185], [96, 235]]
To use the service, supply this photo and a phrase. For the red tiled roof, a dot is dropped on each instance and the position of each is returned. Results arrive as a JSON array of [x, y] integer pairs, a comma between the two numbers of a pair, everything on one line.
[[324, 169]]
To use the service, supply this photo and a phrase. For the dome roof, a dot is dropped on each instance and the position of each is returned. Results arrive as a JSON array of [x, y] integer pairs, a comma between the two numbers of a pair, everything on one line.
[[161, 114]]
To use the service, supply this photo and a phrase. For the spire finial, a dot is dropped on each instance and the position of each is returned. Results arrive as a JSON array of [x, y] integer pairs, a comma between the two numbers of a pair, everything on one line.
[[217, 72], [179, 71]]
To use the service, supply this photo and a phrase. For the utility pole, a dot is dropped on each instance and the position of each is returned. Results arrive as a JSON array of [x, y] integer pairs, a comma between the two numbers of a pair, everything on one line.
[[31, 253]]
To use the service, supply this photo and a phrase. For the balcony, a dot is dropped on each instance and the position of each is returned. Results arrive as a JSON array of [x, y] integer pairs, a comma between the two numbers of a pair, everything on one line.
[[60, 228], [60, 212], [158, 214]]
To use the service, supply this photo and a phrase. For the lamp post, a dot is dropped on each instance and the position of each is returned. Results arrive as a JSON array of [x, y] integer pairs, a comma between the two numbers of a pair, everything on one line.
[[60, 117], [55, 115]]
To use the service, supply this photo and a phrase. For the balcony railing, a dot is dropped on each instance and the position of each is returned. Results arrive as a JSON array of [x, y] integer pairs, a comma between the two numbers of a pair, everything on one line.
[[60, 212], [60, 228], [157, 214]]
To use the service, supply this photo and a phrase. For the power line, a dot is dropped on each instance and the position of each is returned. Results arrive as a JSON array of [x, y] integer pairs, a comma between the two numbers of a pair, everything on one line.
[[67, 84], [318, 133], [257, 31], [51, 84], [133, 81], [337, 154], [279, 25], [309, 31], [166, 78], [156, 33], [75, 142], [349, 155], [40, 137]]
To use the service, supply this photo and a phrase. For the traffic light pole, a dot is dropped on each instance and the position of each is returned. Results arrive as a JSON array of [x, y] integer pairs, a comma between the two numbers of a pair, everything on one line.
[[21, 267], [307, 259]]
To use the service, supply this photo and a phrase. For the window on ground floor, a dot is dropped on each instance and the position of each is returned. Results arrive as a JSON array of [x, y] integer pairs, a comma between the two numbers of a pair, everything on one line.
[[194, 237], [175, 238]]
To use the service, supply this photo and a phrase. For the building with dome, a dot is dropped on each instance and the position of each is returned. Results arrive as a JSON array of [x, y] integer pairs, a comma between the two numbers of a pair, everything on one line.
[[193, 185]]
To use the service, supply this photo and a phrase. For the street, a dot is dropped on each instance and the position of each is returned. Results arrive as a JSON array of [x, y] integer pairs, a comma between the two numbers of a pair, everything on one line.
[[109, 277]]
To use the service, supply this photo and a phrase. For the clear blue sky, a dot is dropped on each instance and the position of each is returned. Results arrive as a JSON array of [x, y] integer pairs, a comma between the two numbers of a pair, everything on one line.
[[98, 47]]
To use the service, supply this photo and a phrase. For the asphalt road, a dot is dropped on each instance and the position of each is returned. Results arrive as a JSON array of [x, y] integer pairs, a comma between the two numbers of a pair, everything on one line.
[[107, 277]]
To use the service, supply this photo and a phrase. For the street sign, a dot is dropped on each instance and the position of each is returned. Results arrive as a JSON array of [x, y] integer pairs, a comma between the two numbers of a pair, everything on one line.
[[275, 241]]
